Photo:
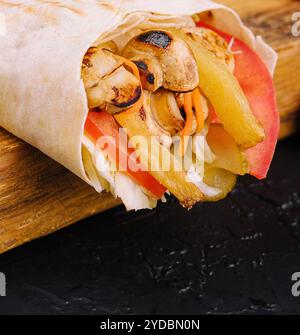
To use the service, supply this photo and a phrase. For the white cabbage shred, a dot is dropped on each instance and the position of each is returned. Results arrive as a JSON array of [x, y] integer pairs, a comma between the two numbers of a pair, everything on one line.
[[120, 185]]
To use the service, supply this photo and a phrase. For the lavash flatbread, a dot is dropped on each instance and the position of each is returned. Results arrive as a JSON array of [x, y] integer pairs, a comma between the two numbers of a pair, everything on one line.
[[42, 96]]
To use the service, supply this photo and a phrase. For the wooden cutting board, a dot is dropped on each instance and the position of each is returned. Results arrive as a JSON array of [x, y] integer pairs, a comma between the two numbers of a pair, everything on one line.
[[39, 196]]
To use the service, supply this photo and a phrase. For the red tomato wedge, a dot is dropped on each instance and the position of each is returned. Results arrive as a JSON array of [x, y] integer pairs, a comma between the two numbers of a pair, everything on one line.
[[99, 124], [257, 84]]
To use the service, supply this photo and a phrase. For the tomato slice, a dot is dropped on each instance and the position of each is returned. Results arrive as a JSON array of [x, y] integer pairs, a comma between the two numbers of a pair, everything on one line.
[[99, 124], [257, 84]]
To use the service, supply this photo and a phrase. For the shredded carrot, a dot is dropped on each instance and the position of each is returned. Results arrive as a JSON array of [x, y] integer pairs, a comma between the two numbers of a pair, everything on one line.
[[188, 108], [196, 96]]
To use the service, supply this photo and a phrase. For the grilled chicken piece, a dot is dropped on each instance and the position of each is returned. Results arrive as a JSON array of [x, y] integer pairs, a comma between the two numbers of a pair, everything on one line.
[[164, 60], [107, 81]]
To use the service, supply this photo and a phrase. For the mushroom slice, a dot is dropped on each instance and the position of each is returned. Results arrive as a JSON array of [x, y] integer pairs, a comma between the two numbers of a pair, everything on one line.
[[166, 112], [179, 100], [178, 69], [213, 43], [155, 129], [151, 73], [107, 81]]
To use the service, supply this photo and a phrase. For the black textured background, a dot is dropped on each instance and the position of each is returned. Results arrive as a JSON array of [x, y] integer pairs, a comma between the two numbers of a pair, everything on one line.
[[236, 256]]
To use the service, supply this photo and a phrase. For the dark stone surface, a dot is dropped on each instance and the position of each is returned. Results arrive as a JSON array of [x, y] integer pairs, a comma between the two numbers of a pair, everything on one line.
[[236, 256]]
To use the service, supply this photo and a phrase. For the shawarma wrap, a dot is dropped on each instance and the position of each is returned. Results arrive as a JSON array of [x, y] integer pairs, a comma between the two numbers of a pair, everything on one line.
[[181, 73]]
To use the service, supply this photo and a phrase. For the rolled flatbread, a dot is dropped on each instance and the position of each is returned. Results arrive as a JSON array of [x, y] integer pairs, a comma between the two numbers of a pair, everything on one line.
[[42, 98]]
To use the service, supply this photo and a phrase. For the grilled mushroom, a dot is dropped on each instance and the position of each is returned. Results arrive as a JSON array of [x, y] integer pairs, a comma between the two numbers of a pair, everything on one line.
[[107, 81], [164, 60], [166, 112], [153, 126], [151, 72]]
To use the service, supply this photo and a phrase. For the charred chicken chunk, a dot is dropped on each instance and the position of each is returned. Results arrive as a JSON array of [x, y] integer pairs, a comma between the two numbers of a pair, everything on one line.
[[107, 81]]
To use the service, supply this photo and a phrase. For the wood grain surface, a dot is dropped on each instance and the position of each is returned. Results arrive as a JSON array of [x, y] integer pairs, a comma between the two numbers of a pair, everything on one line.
[[272, 19], [39, 196]]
